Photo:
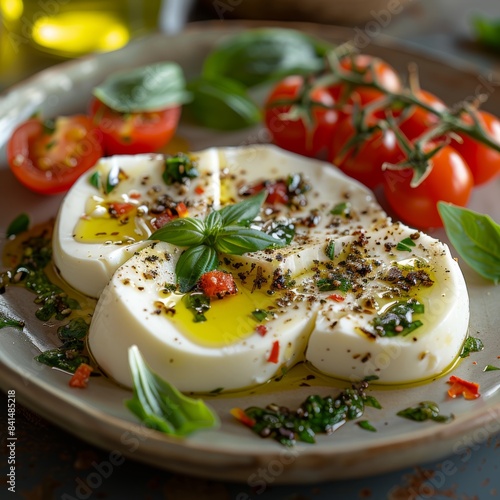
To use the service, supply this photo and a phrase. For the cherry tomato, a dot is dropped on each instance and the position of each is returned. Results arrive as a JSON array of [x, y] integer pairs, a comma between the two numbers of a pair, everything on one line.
[[49, 156], [416, 120], [364, 160], [369, 67], [133, 133], [450, 180], [297, 135], [277, 191], [483, 161]]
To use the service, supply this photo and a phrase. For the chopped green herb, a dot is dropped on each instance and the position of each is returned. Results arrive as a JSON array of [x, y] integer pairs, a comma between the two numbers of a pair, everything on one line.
[[405, 245], [259, 314], [426, 410], [364, 424], [398, 319], [330, 250], [315, 415], [18, 225], [343, 209], [179, 168], [490, 368], [334, 282], [8, 321], [471, 344], [217, 391], [159, 405], [199, 303], [36, 255], [95, 180], [76, 329], [68, 357], [113, 179]]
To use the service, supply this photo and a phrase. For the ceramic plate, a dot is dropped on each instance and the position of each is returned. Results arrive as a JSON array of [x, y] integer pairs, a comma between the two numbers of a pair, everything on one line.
[[233, 452]]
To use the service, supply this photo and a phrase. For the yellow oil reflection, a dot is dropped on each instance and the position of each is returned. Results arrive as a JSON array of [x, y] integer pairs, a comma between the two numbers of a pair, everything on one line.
[[80, 32]]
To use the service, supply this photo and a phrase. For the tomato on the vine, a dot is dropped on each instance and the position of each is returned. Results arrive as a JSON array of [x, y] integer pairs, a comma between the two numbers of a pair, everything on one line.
[[371, 69], [416, 120], [483, 161], [363, 161], [49, 156], [286, 111], [449, 180], [133, 133]]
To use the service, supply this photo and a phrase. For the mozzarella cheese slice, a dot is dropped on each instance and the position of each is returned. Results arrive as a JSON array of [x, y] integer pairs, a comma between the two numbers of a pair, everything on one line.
[[353, 295]]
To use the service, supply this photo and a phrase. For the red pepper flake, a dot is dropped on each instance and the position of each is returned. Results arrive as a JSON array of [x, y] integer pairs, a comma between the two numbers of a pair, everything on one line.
[[217, 284], [275, 352], [120, 208], [261, 329], [181, 209], [135, 195], [461, 387], [199, 189], [240, 415], [336, 297], [81, 376]]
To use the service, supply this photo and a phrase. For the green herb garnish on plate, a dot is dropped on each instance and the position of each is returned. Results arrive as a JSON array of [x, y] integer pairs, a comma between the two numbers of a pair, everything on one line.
[[159, 405]]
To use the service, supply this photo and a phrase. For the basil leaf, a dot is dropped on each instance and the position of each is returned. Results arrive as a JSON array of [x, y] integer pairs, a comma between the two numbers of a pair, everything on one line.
[[222, 104], [237, 240], [256, 56], [186, 231], [476, 238], [243, 212], [148, 88], [213, 222], [18, 225], [159, 405], [487, 31], [194, 262]]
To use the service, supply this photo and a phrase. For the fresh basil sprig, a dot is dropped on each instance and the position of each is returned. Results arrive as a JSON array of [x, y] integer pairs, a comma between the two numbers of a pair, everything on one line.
[[148, 88], [161, 406], [476, 238], [265, 54], [223, 231]]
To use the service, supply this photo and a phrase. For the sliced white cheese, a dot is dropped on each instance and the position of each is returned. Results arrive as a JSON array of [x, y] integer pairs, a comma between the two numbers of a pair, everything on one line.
[[345, 342]]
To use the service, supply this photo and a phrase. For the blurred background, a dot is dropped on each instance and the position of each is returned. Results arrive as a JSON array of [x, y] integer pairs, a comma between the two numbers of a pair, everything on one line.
[[35, 34]]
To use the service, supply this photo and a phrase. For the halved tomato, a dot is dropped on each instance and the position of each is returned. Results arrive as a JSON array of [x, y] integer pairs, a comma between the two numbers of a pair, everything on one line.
[[48, 156], [133, 133]]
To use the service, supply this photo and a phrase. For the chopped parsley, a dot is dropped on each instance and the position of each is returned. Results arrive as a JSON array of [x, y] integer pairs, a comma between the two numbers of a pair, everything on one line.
[[426, 410], [315, 415], [179, 168], [471, 344], [398, 319]]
